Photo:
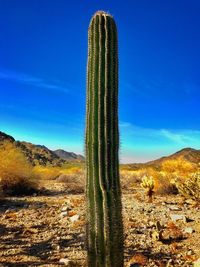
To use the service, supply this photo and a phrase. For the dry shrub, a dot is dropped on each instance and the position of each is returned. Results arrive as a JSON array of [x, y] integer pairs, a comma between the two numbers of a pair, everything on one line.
[[178, 167], [47, 172], [75, 181], [164, 184], [16, 175], [190, 187], [130, 178]]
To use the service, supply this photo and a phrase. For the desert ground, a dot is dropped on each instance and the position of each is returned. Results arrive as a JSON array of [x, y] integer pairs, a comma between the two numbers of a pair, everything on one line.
[[48, 229]]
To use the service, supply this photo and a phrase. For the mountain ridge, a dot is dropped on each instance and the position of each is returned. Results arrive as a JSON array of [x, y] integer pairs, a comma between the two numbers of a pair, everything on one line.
[[68, 155], [40, 154], [191, 155]]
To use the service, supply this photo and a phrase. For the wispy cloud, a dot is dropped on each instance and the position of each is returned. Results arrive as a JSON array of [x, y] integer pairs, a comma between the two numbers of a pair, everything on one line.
[[177, 136], [31, 80], [140, 144]]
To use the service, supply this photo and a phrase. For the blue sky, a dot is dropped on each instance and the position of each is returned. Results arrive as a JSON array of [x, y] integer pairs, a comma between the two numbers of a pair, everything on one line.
[[43, 53]]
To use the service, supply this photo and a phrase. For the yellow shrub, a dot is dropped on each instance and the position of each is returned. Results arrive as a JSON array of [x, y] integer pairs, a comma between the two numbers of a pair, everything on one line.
[[47, 173], [16, 175], [179, 167], [51, 172]]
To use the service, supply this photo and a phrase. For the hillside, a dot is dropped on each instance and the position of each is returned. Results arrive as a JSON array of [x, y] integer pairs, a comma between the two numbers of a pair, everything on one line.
[[39, 154], [68, 155], [188, 154]]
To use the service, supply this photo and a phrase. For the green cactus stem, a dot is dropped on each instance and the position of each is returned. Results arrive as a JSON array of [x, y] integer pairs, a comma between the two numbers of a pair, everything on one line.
[[104, 210]]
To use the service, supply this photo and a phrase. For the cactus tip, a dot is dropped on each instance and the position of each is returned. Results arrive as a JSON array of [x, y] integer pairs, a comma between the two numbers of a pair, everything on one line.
[[101, 12]]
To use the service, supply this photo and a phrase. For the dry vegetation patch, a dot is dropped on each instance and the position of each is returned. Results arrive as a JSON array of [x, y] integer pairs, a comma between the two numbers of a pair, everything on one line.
[[16, 174]]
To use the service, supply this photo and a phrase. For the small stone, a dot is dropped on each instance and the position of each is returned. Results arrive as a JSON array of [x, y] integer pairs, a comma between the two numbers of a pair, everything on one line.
[[138, 260], [190, 201], [66, 262], [189, 252], [188, 230], [169, 263], [178, 217], [152, 224], [74, 218], [64, 214], [174, 208], [7, 211], [65, 208]]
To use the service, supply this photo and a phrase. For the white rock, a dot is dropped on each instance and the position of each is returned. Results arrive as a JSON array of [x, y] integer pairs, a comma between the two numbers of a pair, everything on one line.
[[65, 208], [178, 217], [74, 218], [63, 214], [175, 208], [188, 230], [189, 252], [66, 262]]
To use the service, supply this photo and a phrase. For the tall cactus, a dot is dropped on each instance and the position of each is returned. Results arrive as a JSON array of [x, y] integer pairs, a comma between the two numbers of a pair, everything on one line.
[[104, 217]]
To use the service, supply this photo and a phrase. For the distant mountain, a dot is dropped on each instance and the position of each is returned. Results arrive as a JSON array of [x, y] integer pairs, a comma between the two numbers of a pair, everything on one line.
[[41, 155], [189, 154], [68, 155]]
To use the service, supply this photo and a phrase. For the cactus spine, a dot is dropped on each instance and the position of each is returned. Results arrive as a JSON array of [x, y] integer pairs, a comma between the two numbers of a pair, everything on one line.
[[104, 217]]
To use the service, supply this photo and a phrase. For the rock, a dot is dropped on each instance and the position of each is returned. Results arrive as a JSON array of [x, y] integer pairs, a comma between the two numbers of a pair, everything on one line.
[[188, 230], [138, 260], [65, 208], [7, 211], [190, 252], [190, 202], [169, 263], [174, 208], [67, 262], [172, 232], [64, 214], [151, 224], [178, 217], [74, 218]]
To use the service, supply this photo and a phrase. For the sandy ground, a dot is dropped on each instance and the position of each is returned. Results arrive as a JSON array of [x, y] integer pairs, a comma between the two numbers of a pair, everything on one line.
[[44, 230]]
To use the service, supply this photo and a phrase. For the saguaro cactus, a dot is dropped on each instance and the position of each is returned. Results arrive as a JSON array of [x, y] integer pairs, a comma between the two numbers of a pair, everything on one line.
[[104, 217]]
